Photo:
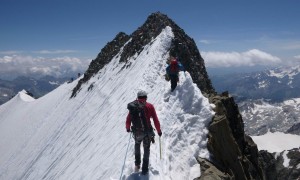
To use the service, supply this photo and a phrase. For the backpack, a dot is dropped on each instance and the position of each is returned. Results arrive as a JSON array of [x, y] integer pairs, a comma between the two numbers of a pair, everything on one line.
[[137, 115], [174, 67]]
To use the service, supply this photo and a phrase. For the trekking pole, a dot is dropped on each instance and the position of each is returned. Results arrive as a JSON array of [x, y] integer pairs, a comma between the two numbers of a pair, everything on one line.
[[159, 147], [125, 156]]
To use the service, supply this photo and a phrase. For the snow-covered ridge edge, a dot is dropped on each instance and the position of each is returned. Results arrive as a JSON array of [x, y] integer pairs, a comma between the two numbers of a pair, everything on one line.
[[21, 98], [25, 97], [187, 99], [190, 106], [63, 138]]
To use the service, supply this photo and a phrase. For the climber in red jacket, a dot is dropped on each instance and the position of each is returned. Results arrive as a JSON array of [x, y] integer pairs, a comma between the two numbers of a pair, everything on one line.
[[140, 112]]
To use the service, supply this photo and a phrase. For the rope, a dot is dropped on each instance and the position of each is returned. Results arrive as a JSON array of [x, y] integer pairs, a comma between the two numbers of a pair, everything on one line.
[[125, 157]]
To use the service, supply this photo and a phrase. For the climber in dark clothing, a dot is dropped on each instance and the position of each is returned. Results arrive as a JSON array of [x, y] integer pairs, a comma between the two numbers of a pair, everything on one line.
[[173, 71]]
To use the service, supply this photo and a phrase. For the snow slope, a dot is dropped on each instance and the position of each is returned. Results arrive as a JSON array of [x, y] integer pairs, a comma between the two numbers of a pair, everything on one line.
[[55, 137], [277, 141]]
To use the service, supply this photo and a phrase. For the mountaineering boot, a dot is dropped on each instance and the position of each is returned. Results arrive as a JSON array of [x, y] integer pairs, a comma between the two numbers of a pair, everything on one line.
[[137, 168], [144, 172], [145, 168]]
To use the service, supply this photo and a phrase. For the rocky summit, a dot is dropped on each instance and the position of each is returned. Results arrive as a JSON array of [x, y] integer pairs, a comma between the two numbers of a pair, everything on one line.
[[183, 47], [234, 155]]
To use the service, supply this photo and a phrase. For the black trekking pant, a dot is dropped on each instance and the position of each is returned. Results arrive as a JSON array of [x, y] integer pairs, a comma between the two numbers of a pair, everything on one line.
[[146, 139], [174, 79]]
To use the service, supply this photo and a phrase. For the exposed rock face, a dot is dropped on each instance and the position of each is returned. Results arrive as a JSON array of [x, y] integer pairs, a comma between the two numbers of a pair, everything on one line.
[[235, 153], [231, 148], [295, 129], [210, 172], [292, 169], [284, 165], [183, 47], [268, 165], [107, 53]]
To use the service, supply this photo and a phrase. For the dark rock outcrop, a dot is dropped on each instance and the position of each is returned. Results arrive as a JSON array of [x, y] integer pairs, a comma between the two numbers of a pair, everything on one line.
[[295, 129], [104, 57], [210, 172], [231, 148], [182, 47], [273, 164], [268, 165], [234, 153], [292, 171]]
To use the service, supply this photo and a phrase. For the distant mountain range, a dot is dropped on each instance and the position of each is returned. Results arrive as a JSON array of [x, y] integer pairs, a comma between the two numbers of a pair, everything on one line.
[[36, 87], [276, 85], [261, 116], [268, 100]]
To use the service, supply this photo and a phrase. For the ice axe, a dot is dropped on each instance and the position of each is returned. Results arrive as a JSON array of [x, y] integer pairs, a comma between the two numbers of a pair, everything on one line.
[[125, 156], [159, 147]]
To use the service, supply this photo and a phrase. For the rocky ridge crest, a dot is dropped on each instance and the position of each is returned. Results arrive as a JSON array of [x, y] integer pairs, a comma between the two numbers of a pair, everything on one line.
[[182, 47]]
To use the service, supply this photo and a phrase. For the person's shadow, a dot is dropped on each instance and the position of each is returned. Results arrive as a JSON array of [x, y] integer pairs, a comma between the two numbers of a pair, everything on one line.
[[138, 176]]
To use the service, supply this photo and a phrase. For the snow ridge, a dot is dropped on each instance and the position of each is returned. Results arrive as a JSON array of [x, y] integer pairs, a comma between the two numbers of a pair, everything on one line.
[[55, 137]]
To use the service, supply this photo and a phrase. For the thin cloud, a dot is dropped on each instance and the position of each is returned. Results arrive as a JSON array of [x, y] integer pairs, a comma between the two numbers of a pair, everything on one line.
[[279, 44], [297, 57], [235, 59], [10, 52], [204, 41], [292, 46], [17, 65], [55, 52]]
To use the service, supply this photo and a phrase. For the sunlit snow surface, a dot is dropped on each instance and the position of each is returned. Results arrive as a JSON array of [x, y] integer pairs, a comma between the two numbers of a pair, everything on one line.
[[277, 141], [55, 137]]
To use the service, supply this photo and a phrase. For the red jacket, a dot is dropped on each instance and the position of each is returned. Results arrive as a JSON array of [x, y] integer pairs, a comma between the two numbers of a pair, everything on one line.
[[149, 113]]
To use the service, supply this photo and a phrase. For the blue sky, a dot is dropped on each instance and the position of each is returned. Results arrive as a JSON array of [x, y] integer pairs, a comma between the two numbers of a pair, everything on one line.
[[244, 33]]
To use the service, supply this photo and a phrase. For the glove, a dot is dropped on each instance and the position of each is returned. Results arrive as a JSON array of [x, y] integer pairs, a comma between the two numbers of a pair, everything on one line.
[[160, 133], [128, 130], [152, 140]]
